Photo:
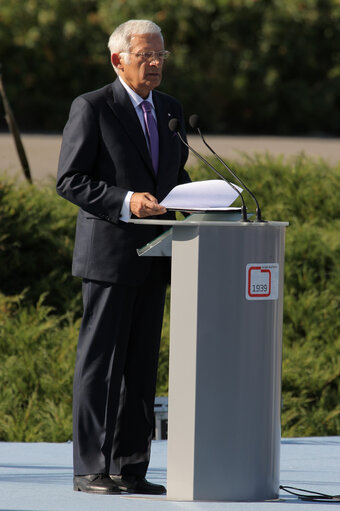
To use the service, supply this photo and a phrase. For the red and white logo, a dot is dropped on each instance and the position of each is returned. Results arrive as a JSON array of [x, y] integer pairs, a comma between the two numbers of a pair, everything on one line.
[[262, 281]]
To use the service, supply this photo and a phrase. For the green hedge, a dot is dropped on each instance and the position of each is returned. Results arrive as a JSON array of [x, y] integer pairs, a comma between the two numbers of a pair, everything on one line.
[[246, 66], [36, 243], [37, 357], [40, 301]]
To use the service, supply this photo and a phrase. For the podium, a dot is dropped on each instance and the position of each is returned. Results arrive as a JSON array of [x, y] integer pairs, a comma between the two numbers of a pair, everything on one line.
[[225, 357]]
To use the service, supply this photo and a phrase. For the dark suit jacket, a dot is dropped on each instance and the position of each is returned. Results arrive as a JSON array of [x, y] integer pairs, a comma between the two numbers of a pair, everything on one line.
[[103, 155]]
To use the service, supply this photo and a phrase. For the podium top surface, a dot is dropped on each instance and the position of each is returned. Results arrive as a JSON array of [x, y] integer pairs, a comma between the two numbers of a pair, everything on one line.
[[162, 245], [226, 217], [194, 222]]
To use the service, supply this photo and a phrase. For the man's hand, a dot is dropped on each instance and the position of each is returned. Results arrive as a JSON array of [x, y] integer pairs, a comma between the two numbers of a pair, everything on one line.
[[144, 204]]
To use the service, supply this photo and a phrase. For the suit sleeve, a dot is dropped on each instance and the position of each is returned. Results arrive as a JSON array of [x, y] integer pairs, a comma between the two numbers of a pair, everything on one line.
[[76, 179]]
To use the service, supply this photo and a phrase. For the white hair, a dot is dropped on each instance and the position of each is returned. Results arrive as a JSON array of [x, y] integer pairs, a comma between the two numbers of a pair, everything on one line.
[[120, 38]]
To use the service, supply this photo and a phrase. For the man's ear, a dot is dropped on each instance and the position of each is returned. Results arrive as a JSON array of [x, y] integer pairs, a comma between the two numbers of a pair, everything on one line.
[[115, 59]]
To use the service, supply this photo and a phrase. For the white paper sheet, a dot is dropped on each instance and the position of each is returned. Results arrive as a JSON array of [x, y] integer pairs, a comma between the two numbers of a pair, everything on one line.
[[214, 194]]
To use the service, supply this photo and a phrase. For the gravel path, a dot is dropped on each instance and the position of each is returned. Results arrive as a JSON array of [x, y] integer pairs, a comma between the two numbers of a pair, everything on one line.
[[43, 150]]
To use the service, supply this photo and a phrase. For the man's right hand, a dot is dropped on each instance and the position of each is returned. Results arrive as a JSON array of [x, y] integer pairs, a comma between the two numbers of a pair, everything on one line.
[[144, 204]]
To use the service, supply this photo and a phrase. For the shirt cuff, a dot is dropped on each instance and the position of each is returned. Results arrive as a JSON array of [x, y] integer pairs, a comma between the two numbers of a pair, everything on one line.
[[125, 213]]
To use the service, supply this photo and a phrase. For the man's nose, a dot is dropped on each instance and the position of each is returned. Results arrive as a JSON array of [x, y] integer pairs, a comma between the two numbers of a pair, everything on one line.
[[156, 61]]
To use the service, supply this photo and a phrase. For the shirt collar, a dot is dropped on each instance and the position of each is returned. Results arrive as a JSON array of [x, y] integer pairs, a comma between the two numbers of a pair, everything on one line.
[[135, 98]]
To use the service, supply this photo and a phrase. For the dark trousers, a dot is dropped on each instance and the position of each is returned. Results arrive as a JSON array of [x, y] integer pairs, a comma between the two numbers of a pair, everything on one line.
[[115, 375]]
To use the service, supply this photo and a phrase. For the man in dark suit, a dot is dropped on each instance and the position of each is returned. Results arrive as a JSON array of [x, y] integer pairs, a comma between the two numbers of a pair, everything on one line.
[[109, 169]]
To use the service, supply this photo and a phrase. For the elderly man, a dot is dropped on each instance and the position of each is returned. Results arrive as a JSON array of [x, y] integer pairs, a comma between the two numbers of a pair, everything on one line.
[[118, 158]]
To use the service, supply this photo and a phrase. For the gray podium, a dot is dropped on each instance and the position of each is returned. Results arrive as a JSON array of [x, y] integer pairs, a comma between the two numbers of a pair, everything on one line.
[[225, 357]]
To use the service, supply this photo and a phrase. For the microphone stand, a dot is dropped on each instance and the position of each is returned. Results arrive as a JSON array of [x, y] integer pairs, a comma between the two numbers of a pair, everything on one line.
[[193, 121], [173, 126]]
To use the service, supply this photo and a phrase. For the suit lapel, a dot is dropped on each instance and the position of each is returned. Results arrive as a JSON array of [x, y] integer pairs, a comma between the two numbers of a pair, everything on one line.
[[123, 109]]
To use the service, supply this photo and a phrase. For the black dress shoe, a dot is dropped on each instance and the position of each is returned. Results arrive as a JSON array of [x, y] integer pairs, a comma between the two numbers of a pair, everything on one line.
[[95, 483], [137, 484]]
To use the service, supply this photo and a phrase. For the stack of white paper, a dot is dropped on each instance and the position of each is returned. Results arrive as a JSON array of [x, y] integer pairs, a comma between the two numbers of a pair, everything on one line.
[[210, 195]]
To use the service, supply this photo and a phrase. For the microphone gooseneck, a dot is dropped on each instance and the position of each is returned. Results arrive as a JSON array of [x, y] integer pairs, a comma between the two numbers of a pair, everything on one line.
[[194, 123], [174, 126]]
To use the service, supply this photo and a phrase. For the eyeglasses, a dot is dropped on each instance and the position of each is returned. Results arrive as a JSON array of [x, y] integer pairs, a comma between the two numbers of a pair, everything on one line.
[[149, 55]]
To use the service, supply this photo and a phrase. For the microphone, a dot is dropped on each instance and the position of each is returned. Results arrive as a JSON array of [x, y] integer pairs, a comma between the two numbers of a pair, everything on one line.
[[194, 123], [174, 127]]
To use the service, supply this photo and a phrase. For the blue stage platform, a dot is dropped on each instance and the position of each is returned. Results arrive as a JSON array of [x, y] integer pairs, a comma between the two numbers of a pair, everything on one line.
[[38, 477]]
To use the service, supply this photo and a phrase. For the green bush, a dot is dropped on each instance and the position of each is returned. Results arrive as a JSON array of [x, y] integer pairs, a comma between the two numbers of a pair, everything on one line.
[[36, 242], [246, 66], [37, 357], [40, 301]]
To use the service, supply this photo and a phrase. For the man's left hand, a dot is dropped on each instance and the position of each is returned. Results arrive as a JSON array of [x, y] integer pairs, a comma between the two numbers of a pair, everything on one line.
[[144, 204]]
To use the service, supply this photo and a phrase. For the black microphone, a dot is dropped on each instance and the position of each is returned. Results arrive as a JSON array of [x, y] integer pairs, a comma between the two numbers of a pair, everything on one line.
[[174, 127], [194, 123]]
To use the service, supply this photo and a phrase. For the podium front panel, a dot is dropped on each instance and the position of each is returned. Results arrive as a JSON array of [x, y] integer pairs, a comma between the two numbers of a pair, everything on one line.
[[225, 362]]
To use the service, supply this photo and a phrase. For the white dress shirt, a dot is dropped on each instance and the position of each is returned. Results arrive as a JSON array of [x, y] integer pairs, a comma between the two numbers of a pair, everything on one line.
[[125, 213]]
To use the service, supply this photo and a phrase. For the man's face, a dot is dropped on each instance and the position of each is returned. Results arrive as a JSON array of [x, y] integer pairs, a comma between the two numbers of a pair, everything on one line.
[[140, 74]]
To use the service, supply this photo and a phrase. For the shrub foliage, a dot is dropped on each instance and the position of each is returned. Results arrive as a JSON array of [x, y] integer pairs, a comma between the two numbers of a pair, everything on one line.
[[37, 355], [36, 243], [40, 301], [248, 66]]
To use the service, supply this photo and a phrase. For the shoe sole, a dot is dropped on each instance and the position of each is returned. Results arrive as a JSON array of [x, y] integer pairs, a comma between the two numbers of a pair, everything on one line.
[[98, 492], [140, 492]]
